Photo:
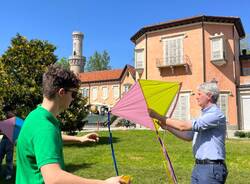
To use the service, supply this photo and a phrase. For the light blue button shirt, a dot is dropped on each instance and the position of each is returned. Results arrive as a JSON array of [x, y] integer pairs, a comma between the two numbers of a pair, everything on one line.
[[209, 134]]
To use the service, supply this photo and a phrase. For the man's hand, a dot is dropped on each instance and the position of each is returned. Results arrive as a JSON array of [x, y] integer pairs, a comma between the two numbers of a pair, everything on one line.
[[91, 137], [154, 114], [161, 120]]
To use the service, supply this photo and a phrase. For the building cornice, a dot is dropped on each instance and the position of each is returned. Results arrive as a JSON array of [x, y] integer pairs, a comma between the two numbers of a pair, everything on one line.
[[191, 20]]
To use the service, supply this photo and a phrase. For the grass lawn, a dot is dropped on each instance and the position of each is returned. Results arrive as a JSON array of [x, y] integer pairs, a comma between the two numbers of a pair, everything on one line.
[[138, 154]]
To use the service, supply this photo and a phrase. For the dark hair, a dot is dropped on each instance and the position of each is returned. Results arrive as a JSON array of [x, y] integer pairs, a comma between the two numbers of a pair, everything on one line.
[[9, 111], [8, 108], [57, 77]]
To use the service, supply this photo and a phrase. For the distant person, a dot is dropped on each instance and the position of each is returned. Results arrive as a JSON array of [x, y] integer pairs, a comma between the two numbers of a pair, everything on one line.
[[6, 148], [208, 134], [40, 143]]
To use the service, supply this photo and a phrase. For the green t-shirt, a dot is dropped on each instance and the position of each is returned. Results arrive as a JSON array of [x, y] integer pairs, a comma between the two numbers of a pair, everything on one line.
[[39, 143]]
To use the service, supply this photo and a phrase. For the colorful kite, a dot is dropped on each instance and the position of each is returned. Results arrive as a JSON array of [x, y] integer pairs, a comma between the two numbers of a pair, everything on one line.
[[133, 106], [11, 128]]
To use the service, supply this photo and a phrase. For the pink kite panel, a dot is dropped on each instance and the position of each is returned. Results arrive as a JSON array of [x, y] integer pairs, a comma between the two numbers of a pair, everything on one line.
[[133, 107]]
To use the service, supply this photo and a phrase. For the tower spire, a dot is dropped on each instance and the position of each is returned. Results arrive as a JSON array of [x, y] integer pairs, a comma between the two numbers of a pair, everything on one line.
[[77, 61]]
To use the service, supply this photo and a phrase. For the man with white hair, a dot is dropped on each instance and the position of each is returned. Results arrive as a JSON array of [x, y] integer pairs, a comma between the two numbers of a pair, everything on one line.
[[207, 133]]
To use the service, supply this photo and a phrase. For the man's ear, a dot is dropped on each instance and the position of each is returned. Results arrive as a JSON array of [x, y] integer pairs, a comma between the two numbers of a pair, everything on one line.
[[61, 92], [209, 95]]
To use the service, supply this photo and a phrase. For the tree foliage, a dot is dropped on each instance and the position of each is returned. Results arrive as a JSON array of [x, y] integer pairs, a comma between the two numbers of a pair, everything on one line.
[[72, 118], [245, 43], [99, 61], [63, 62], [21, 70]]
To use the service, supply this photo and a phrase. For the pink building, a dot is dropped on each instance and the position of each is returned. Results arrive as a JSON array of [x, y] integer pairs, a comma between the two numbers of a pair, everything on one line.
[[195, 50]]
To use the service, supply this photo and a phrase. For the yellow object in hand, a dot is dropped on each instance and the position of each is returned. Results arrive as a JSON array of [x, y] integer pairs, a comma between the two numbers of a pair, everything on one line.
[[127, 179]]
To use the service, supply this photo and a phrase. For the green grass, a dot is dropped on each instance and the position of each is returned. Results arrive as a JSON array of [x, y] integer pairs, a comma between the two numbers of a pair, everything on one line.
[[138, 154]]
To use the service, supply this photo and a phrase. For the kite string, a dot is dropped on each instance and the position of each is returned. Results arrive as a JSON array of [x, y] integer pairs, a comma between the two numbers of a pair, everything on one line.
[[111, 146], [165, 153]]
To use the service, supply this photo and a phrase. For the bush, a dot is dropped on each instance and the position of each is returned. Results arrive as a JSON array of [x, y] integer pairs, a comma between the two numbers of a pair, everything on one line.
[[248, 134], [242, 134], [125, 123]]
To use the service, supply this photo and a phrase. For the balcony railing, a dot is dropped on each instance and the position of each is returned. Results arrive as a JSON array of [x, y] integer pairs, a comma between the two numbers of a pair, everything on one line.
[[173, 62]]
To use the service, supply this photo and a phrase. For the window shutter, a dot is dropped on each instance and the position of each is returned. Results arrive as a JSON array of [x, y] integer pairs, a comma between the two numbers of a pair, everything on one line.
[[184, 105], [139, 58], [223, 103], [173, 52], [85, 92], [177, 110], [104, 92], [217, 48], [166, 56], [181, 111], [116, 91], [94, 91]]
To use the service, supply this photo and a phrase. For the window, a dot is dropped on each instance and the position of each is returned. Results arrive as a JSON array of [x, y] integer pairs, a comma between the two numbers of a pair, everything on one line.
[[115, 92], [94, 93], [217, 49], [223, 103], [85, 92], [139, 58], [173, 50], [126, 87], [104, 92], [246, 71], [181, 111]]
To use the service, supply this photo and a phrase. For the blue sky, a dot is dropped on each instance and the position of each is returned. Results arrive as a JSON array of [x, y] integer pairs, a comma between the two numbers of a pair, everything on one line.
[[106, 24]]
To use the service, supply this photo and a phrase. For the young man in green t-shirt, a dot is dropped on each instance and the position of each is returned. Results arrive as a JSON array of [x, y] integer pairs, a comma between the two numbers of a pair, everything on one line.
[[39, 147]]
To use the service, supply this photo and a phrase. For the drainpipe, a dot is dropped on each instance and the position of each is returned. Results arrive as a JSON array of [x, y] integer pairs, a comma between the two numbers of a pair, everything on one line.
[[237, 92], [89, 93], [120, 91], [234, 63], [146, 57], [203, 50]]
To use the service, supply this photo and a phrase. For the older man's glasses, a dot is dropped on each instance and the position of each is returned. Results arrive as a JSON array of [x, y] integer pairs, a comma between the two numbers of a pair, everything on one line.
[[73, 92]]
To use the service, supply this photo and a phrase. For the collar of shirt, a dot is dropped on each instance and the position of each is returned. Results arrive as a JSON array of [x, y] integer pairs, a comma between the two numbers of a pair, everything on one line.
[[208, 108], [49, 116]]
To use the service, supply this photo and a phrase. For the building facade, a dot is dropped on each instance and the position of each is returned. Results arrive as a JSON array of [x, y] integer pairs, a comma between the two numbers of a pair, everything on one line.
[[244, 92], [192, 51], [105, 88]]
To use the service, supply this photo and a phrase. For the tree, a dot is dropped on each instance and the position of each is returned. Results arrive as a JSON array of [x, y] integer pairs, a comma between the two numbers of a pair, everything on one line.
[[72, 118], [2, 74], [21, 70], [245, 44], [22, 67], [63, 62], [99, 61]]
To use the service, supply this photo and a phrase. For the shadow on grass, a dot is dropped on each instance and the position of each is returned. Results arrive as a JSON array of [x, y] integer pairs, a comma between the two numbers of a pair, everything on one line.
[[102, 141], [75, 167]]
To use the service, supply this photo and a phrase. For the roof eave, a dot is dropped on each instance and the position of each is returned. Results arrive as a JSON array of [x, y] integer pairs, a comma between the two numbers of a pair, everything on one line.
[[109, 80], [235, 20]]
